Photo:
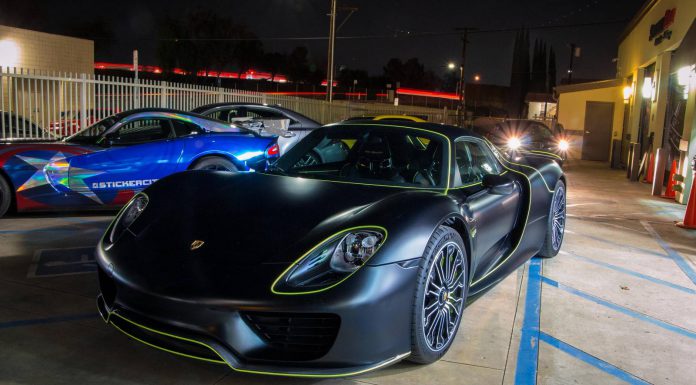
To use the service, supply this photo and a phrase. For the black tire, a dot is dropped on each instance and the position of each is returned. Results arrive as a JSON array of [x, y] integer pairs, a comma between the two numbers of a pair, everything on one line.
[[555, 227], [428, 307], [5, 196], [214, 163]]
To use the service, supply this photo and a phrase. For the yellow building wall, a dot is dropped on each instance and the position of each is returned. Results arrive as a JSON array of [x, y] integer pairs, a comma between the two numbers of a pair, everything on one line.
[[571, 112], [636, 50], [47, 52]]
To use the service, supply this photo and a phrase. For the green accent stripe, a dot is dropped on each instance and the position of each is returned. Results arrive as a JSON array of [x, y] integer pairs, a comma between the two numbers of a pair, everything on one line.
[[327, 239], [222, 360]]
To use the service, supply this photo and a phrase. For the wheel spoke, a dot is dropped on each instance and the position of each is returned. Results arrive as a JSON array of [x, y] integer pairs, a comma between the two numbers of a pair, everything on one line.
[[444, 296]]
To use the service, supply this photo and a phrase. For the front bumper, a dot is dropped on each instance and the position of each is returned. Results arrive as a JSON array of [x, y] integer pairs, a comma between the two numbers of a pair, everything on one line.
[[374, 309]]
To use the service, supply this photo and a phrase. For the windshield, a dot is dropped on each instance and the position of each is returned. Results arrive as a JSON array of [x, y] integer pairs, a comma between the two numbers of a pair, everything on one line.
[[91, 134], [368, 154]]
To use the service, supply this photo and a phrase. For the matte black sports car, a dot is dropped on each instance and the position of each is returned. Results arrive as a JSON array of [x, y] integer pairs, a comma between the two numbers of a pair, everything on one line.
[[331, 269]]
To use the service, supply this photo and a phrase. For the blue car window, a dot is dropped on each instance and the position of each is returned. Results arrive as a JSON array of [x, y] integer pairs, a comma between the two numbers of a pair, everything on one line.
[[182, 128], [142, 131]]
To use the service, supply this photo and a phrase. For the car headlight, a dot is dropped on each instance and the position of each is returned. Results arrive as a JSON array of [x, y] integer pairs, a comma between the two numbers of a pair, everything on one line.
[[128, 215], [331, 262], [563, 145], [514, 143]]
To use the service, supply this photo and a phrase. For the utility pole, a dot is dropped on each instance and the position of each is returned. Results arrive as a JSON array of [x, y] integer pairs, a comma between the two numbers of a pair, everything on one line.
[[462, 82], [332, 43]]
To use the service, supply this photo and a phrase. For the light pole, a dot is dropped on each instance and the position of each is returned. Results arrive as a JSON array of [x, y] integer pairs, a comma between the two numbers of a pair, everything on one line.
[[332, 43]]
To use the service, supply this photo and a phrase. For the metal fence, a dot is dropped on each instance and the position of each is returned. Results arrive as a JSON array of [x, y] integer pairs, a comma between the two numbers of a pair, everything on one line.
[[43, 105]]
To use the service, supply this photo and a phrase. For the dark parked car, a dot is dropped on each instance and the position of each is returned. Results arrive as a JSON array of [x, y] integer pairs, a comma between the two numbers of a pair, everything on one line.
[[271, 117], [519, 135], [330, 269]]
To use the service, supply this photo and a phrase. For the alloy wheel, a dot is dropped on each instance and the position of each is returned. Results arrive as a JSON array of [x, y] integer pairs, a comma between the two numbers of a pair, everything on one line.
[[559, 218], [444, 302]]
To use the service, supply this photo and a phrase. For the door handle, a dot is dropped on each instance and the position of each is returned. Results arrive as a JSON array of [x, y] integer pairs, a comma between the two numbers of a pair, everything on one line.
[[587, 132]]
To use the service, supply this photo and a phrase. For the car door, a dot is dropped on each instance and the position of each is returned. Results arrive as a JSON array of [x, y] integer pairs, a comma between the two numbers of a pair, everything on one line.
[[137, 153], [493, 216]]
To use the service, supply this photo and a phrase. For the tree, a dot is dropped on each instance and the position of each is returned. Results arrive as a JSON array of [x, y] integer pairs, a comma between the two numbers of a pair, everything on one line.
[[552, 69], [298, 64]]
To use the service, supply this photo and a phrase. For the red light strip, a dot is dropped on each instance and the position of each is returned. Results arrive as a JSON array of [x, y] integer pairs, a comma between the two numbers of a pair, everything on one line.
[[427, 94]]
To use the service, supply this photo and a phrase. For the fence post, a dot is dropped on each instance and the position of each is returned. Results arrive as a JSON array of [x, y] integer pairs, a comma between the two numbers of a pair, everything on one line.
[[163, 94], [263, 99], [83, 101], [220, 94]]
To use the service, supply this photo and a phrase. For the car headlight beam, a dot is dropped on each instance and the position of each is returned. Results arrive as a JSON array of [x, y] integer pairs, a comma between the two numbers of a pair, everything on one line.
[[331, 262], [563, 145], [514, 143]]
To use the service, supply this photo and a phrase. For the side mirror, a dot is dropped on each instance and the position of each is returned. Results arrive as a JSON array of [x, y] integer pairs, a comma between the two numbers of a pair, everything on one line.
[[498, 184]]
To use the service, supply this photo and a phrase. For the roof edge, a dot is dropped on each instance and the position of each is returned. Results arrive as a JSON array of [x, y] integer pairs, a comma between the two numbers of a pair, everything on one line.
[[588, 86]]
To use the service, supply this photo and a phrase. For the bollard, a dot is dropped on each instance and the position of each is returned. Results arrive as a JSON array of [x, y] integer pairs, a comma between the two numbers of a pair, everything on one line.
[[689, 221], [659, 172], [635, 162]]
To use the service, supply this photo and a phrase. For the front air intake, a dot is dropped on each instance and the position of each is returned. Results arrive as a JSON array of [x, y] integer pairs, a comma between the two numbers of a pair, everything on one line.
[[292, 336]]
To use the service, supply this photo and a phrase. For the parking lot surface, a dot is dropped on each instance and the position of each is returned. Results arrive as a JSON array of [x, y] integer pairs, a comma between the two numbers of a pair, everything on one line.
[[617, 305]]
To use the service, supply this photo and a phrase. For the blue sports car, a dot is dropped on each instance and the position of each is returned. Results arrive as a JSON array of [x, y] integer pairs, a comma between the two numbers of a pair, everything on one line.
[[104, 165]]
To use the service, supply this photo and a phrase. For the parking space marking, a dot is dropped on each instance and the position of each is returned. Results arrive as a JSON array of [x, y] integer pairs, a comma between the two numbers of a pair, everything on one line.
[[619, 308], [683, 264], [67, 261], [592, 360], [631, 272], [48, 320], [528, 354], [620, 245]]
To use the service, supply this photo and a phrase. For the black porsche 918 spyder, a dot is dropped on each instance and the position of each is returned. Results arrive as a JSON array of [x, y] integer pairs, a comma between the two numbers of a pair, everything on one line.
[[329, 269]]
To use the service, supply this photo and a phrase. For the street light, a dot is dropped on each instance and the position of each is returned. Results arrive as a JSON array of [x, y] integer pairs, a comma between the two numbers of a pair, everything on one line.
[[9, 53], [451, 65], [477, 77]]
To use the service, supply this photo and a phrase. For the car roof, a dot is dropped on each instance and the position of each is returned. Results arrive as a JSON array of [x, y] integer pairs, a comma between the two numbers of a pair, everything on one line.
[[452, 132]]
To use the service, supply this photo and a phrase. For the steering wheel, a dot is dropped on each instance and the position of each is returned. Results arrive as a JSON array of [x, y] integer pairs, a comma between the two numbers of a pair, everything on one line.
[[428, 171]]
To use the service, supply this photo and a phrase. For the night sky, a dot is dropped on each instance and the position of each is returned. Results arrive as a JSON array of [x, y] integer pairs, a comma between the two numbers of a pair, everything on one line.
[[133, 25]]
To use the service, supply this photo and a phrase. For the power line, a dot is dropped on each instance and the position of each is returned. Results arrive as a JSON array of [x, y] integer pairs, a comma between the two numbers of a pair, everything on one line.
[[403, 34]]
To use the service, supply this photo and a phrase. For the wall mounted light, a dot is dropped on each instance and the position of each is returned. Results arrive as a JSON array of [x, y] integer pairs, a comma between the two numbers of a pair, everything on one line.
[[686, 76], [647, 90], [627, 93], [9, 53]]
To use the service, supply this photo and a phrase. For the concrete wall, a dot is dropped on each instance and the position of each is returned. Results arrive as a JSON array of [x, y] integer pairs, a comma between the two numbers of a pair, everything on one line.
[[44, 51], [571, 110]]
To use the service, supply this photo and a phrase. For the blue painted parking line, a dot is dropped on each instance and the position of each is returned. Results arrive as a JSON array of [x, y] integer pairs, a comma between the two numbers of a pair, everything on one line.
[[49, 320], [528, 354], [683, 264], [620, 309], [56, 262], [634, 273], [592, 360]]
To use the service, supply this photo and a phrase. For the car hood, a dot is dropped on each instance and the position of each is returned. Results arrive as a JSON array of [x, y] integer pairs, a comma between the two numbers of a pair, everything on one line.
[[245, 220]]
